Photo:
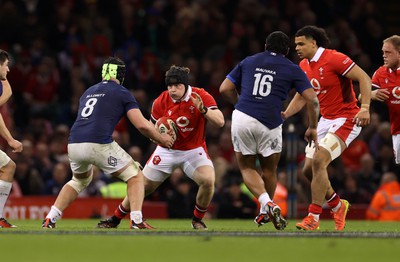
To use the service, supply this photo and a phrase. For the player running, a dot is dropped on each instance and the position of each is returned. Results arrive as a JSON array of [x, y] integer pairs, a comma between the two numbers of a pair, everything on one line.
[[331, 74], [264, 81]]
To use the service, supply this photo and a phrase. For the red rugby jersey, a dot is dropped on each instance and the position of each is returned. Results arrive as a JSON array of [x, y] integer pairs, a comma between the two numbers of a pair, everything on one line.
[[190, 122], [326, 72], [388, 79]]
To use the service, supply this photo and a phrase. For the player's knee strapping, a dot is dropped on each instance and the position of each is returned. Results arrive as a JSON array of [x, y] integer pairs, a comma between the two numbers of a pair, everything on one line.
[[79, 184], [331, 143], [131, 171]]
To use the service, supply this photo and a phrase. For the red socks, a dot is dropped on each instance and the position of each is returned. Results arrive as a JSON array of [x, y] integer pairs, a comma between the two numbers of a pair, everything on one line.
[[120, 212], [333, 200], [314, 209], [199, 212]]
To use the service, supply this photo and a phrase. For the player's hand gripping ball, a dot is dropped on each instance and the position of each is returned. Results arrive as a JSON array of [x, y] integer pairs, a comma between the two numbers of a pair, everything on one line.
[[166, 125]]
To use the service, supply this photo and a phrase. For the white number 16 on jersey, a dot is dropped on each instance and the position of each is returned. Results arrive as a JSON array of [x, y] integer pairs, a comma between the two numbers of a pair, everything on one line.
[[262, 84]]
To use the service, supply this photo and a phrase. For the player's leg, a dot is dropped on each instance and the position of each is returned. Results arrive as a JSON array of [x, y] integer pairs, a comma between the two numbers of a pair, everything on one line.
[[152, 179], [269, 167], [7, 171], [124, 209], [204, 176], [332, 199], [67, 195], [330, 148], [135, 194]]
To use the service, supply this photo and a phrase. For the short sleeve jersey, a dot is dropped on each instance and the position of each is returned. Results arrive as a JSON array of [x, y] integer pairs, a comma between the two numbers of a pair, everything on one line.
[[326, 72], [190, 122], [264, 81], [100, 109], [388, 79]]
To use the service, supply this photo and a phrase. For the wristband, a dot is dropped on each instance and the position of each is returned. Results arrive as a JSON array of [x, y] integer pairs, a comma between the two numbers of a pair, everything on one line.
[[365, 106], [205, 110]]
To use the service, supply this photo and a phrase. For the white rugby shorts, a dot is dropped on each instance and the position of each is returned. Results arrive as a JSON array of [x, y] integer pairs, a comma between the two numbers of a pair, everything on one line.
[[4, 159], [342, 127], [109, 158], [163, 161], [396, 147], [251, 137]]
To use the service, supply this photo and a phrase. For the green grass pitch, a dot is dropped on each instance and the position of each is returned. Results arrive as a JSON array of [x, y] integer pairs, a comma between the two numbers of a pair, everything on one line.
[[174, 240]]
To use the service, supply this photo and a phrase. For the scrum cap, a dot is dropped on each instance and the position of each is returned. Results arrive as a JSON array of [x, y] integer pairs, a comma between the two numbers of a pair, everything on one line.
[[177, 75], [113, 67]]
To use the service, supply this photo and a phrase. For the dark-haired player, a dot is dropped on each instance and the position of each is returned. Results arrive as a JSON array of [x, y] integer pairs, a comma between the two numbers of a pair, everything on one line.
[[264, 81], [90, 143], [331, 74], [7, 166], [190, 108]]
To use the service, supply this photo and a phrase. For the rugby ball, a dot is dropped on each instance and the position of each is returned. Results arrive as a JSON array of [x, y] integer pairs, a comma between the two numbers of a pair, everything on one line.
[[166, 125]]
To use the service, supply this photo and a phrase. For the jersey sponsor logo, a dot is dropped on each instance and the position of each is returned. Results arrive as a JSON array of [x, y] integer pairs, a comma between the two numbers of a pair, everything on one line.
[[156, 160], [182, 121], [396, 92], [169, 112], [112, 161], [317, 87]]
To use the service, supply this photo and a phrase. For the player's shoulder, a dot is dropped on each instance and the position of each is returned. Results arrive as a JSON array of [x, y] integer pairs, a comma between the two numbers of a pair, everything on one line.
[[163, 98], [382, 70], [330, 54], [303, 62], [198, 89]]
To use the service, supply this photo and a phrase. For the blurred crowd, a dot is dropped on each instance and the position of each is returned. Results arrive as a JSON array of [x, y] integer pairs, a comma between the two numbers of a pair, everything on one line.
[[57, 48]]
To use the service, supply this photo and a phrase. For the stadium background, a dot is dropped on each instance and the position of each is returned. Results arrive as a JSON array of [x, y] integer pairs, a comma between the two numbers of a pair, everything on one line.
[[57, 48]]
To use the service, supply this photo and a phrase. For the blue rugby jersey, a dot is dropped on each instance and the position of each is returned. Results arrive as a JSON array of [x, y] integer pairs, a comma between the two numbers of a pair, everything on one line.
[[100, 109], [264, 81]]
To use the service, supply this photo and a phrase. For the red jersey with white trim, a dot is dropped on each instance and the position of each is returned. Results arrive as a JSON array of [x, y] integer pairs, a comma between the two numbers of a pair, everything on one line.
[[190, 122], [386, 78], [326, 72]]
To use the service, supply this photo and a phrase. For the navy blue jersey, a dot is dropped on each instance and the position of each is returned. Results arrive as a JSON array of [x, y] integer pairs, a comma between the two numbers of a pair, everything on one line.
[[264, 81], [100, 109]]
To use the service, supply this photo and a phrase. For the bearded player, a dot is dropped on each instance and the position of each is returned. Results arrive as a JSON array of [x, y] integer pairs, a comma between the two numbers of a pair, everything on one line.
[[190, 108]]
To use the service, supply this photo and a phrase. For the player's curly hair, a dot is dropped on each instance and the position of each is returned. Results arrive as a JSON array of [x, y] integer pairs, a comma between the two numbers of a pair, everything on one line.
[[277, 42], [3, 56], [316, 33]]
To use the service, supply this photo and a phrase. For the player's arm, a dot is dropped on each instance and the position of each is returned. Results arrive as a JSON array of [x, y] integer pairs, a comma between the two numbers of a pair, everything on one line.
[[5, 133], [214, 115], [379, 95], [7, 92], [362, 118], [312, 102], [147, 129], [295, 105], [228, 91]]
